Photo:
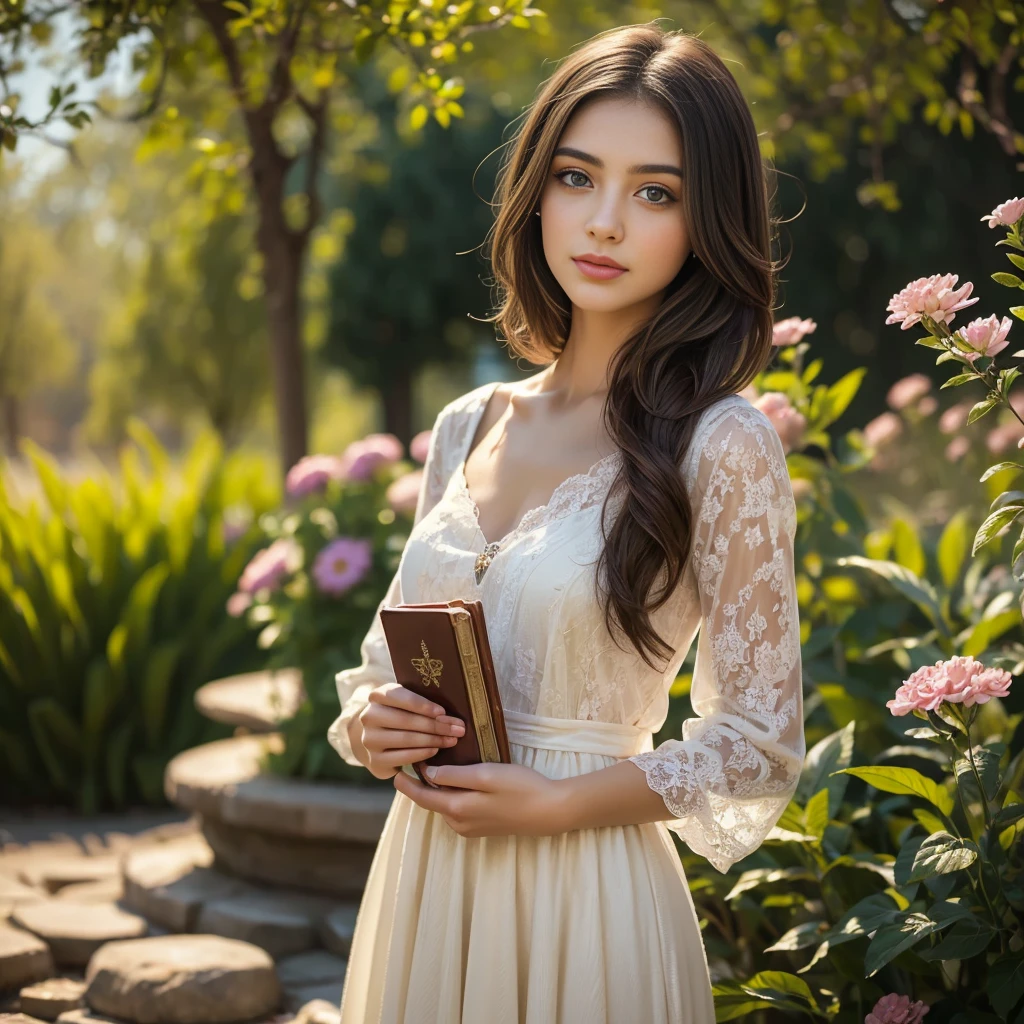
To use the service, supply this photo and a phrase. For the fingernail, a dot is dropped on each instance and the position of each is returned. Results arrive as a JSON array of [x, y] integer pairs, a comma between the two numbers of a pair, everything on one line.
[[430, 772], [458, 729]]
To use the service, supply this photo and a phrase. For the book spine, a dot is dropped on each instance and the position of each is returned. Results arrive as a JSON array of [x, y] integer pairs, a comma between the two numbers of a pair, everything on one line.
[[473, 672]]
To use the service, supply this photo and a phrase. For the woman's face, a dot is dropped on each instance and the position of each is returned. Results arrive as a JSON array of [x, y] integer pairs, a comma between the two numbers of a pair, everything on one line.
[[615, 195]]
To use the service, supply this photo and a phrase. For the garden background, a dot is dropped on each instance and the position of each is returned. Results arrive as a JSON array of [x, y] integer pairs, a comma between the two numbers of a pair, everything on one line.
[[258, 242]]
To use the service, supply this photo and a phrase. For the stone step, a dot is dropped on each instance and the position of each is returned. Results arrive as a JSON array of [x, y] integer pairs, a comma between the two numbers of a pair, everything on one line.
[[74, 931], [257, 701], [49, 999]]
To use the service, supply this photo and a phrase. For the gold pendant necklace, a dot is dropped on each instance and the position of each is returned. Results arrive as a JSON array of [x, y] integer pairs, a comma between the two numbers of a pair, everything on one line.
[[484, 559]]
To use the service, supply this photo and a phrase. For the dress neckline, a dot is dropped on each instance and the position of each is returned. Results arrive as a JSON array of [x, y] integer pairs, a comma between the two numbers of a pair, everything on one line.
[[537, 514]]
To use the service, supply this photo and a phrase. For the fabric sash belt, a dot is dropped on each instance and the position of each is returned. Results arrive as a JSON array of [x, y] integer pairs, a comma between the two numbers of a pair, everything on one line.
[[577, 735]]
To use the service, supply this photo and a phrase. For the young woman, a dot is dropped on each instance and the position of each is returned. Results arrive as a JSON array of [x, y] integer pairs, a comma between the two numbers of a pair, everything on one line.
[[602, 510]]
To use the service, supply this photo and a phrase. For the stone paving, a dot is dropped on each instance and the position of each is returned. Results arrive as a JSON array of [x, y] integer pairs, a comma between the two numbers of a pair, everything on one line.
[[150, 929]]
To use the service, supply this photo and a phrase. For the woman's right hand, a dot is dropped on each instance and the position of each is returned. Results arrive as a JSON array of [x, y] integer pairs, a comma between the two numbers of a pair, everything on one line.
[[398, 727]]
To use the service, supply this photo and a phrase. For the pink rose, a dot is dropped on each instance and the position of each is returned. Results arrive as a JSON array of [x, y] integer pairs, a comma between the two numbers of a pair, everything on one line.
[[883, 429], [957, 448], [269, 567], [362, 457], [954, 417], [960, 680], [788, 423], [1005, 214], [936, 296], [908, 390], [342, 564], [897, 1009], [987, 335], [310, 474], [419, 446], [403, 493], [1000, 438], [927, 405], [792, 330], [238, 603]]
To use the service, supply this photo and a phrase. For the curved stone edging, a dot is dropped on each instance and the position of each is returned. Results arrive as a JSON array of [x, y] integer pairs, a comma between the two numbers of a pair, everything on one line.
[[222, 781], [259, 701]]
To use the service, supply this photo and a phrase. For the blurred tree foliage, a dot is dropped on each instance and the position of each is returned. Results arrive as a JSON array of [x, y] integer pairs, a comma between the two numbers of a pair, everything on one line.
[[282, 73]]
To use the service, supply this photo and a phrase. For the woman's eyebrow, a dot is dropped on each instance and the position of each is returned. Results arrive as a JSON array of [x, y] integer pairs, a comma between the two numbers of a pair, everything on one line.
[[635, 169]]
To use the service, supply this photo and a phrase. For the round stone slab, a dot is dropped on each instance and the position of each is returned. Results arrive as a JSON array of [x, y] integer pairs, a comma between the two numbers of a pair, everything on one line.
[[75, 930], [49, 999], [260, 701], [182, 979], [24, 958]]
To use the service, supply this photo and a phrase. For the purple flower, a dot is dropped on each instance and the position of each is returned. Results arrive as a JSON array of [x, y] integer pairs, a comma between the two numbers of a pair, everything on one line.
[[362, 457], [342, 564], [267, 568], [310, 474]]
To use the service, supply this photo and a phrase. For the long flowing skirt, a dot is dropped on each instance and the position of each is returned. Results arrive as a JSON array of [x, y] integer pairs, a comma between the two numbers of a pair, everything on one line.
[[594, 926]]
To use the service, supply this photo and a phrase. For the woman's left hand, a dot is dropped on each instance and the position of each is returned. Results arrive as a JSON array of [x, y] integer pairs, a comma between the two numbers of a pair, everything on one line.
[[491, 799]]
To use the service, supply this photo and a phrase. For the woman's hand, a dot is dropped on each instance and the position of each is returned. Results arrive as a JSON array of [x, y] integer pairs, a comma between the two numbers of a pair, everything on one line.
[[492, 799], [399, 727]]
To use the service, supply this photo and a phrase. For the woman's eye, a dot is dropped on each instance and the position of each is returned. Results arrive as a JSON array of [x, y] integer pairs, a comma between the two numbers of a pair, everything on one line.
[[566, 177]]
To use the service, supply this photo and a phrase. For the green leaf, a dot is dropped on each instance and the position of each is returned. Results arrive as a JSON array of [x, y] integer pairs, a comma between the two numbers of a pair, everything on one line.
[[994, 523], [1006, 983], [960, 378], [816, 813], [892, 939], [905, 781], [998, 468], [911, 586], [941, 854], [838, 397], [778, 990], [807, 933], [965, 939], [980, 408], [1009, 280], [1018, 312], [952, 549], [1017, 261], [863, 918], [828, 754]]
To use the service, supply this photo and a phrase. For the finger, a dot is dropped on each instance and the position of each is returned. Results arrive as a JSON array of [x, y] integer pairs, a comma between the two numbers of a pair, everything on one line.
[[421, 794], [387, 717], [397, 739], [408, 755], [397, 696], [462, 776]]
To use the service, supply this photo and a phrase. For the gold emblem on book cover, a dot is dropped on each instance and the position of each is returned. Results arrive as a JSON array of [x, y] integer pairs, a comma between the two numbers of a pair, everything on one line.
[[429, 668]]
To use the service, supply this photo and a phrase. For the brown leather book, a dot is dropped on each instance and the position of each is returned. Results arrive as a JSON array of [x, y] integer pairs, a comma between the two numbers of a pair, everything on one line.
[[441, 650]]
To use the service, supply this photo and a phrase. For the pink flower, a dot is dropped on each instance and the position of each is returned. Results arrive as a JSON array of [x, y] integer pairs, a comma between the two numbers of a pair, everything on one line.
[[987, 335], [897, 1009], [1005, 214], [1000, 438], [342, 564], [954, 417], [792, 330], [883, 429], [267, 568], [936, 296], [957, 448], [927, 405], [404, 492], [311, 474], [788, 423], [961, 680], [362, 457], [419, 446], [908, 390], [238, 603]]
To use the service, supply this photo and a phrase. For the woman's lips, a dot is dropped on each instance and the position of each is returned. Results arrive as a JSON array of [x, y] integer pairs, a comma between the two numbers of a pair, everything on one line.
[[597, 271]]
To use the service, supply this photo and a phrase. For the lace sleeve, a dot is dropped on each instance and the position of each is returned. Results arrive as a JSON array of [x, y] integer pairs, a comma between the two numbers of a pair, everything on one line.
[[732, 774], [375, 669]]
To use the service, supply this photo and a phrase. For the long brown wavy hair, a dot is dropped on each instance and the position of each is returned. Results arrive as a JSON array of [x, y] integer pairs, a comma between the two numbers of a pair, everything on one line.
[[712, 333]]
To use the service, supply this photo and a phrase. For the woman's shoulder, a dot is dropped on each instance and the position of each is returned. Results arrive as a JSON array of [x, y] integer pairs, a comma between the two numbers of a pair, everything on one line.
[[732, 419]]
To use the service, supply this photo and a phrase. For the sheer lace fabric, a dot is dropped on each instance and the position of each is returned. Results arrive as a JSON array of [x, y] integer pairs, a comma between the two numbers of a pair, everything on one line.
[[732, 772]]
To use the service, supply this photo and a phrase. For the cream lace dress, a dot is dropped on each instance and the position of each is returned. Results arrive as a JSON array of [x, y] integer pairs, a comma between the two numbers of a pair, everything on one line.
[[594, 926]]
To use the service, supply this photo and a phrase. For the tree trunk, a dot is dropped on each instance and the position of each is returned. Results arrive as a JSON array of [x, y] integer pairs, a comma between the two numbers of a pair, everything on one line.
[[397, 398], [282, 279]]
